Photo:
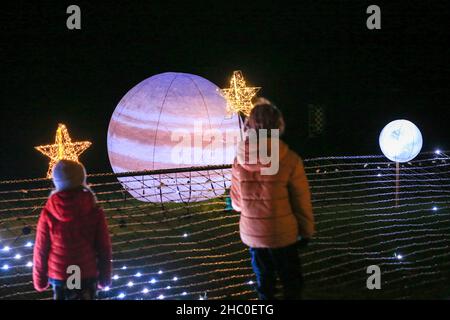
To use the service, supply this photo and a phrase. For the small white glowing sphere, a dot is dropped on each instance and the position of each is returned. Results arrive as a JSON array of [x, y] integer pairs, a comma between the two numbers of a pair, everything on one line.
[[400, 141]]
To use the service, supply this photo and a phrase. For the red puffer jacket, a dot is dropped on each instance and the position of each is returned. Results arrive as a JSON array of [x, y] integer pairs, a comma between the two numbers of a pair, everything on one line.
[[72, 230]]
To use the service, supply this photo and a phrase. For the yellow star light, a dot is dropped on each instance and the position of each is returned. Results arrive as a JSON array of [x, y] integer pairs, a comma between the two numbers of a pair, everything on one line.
[[238, 96], [63, 148]]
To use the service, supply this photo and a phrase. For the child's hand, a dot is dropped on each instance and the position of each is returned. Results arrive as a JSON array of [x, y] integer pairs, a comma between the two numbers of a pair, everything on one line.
[[41, 287]]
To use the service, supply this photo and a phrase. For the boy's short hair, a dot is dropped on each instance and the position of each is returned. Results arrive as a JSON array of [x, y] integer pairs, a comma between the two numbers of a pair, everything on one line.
[[265, 115]]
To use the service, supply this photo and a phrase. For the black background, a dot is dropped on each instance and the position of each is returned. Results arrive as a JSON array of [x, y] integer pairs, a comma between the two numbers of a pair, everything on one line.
[[316, 52]]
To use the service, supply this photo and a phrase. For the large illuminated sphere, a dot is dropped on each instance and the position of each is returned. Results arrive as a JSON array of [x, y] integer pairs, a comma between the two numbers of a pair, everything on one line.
[[400, 141], [140, 137]]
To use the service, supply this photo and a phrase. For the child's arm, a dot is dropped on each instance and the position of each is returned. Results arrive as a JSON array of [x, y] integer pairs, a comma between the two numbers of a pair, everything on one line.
[[235, 191], [40, 254], [104, 252], [300, 199]]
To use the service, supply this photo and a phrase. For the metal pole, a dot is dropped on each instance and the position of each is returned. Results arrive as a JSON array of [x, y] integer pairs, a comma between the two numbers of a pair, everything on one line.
[[240, 126], [397, 182]]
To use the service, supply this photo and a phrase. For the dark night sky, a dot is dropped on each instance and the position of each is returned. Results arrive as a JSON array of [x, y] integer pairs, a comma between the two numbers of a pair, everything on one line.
[[312, 52]]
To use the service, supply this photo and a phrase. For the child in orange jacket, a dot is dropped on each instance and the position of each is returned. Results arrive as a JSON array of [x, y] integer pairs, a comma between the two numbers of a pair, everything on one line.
[[275, 206]]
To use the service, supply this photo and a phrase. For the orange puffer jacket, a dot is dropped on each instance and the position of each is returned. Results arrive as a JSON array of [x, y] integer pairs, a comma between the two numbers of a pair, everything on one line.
[[275, 209]]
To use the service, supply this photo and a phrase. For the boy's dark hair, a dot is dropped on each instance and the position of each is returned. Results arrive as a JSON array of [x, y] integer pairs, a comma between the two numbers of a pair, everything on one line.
[[265, 115]]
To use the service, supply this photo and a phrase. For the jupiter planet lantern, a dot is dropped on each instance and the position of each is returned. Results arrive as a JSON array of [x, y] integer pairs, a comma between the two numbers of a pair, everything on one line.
[[171, 121]]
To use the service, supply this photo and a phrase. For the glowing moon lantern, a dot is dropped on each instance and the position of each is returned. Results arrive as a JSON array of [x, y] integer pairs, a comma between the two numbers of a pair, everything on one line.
[[172, 120], [400, 141]]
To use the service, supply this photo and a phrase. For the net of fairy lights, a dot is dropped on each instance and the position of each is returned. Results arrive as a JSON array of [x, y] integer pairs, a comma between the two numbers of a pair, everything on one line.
[[192, 250]]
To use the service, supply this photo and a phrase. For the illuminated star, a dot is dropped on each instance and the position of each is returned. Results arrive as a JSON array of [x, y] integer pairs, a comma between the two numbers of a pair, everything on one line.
[[63, 148], [238, 96]]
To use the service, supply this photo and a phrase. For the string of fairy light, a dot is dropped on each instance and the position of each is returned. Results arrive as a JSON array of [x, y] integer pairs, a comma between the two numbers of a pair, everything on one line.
[[193, 250]]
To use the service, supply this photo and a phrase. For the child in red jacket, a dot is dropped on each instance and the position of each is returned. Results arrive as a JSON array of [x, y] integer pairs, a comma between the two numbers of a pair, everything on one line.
[[72, 235]]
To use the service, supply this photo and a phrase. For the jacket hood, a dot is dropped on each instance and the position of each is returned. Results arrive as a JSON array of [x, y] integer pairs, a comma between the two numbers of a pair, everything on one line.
[[248, 155], [67, 205]]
